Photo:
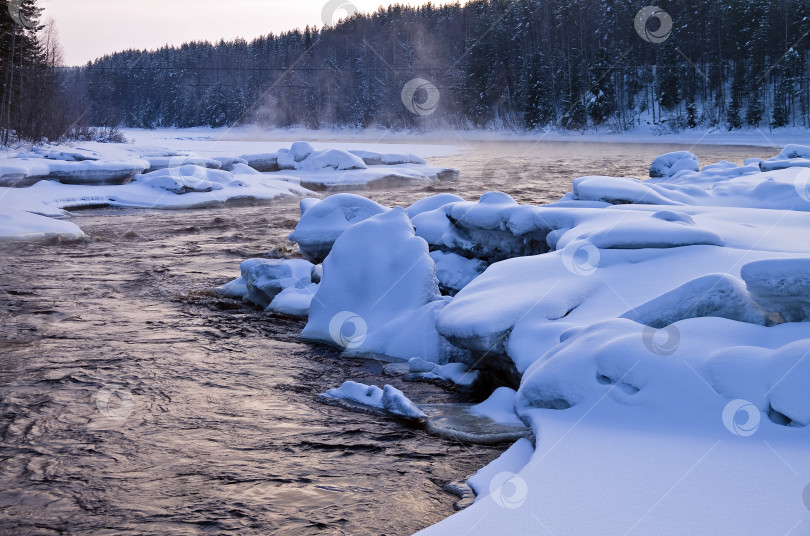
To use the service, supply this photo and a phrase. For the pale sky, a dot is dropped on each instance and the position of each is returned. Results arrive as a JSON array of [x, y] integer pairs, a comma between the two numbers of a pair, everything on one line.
[[91, 28]]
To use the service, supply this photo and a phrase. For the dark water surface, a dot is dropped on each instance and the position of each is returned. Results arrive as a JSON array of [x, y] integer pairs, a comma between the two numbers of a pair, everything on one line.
[[134, 401]]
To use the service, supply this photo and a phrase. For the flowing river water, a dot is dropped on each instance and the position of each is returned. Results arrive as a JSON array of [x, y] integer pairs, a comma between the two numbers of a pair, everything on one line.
[[133, 400]]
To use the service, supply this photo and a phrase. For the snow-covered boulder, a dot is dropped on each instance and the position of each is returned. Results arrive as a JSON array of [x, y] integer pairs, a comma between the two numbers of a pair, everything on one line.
[[669, 164], [791, 156], [187, 178], [323, 221], [781, 286], [618, 190], [710, 295], [379, 293], [266, 278]]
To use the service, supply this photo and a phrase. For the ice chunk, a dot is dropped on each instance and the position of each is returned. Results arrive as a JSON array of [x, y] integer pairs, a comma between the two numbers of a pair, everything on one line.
[[431, 203], [711, 295], [293, 301], [389, 398], [379, 293], [669, 164], [268, 277], [396, 403], [322, 222], [780, 285], [454, 271]]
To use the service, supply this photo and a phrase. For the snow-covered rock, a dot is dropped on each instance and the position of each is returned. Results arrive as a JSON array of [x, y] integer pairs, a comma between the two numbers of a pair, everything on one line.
[[669, 164], [323, 221], [389, 398], [454, 271]]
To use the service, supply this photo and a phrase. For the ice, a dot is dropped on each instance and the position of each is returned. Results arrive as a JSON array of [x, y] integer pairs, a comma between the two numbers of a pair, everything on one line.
[[501, 471], [236, 289], [617, 190], [431, 203], [781, 285], [669, 164], [27, 171], [322, 222], [372, 158], [710, 295], [16, 224], [389, 398], [177, 160], [457, 373], [293, 301], [265, 278], [379, 293], [500, 407], [454, 271]]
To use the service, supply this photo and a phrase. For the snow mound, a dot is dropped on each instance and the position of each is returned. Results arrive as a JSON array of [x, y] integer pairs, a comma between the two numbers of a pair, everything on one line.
[[500, 407], [501, 471], [669, 164], [431, 203], [389, 398], [710, 295], [780, 285], [178, 160], [187, 178], [379, 293], [372, 158], [16, 224], [301, 156], [791, 156], [457, 373], [27, 171], [322, 222], [617, 190]]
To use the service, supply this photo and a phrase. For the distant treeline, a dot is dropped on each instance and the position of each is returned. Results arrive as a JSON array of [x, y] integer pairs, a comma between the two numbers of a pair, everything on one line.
[[520, 64]]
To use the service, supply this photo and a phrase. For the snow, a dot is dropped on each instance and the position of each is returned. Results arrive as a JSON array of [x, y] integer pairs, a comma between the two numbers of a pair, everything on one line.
[[669, 164], [17, 224], [323, 221], [500, 407], [266, 278], [781, 285], [389, 398], [379, 293], [454, 271]]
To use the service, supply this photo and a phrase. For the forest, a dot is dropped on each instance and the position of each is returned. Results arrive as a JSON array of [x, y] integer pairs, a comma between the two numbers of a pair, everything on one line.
[[490, 64]]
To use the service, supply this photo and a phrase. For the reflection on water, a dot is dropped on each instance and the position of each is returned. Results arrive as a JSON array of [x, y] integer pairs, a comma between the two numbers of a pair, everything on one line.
[[133, 401]]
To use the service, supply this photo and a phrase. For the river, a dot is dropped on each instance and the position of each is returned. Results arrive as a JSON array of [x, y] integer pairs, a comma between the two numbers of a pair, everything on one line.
[[133, 400]]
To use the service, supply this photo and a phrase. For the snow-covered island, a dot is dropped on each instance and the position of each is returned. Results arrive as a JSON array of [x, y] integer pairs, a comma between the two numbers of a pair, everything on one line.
[[652, 334]]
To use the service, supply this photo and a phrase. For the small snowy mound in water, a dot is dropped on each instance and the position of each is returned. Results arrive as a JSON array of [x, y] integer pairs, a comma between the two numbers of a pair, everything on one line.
[[372, 158], [16, 224], [389, 398], [669, 164], [791, 156], [266, 278], [457, 373], [711, 295], [379, 293], [322, 222], [781, 285]]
